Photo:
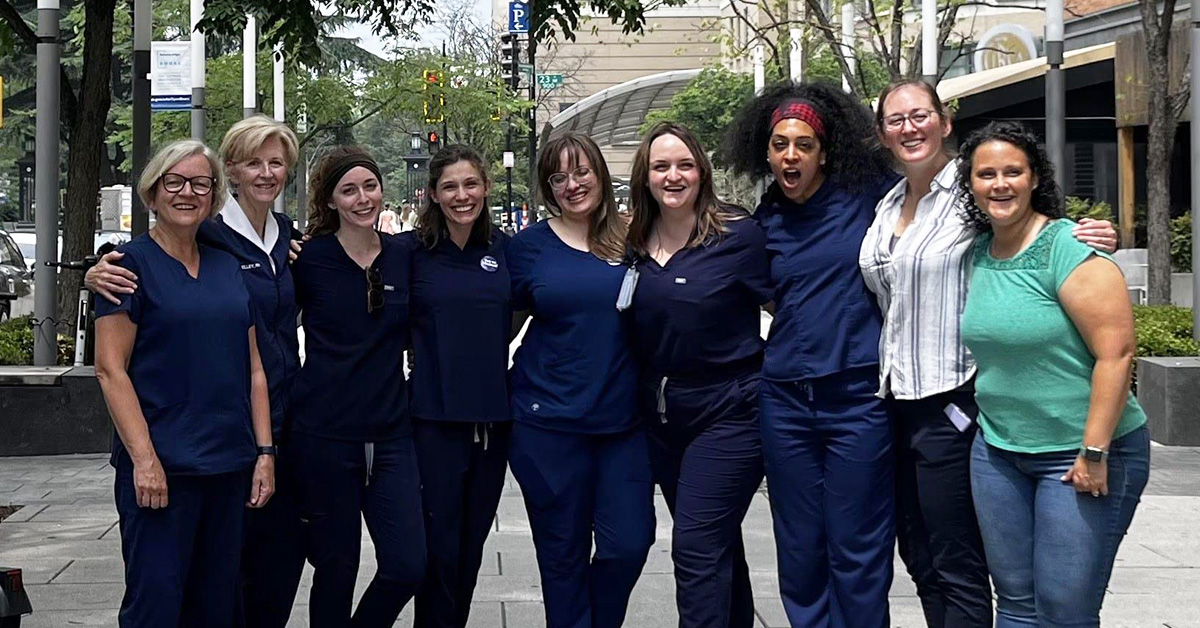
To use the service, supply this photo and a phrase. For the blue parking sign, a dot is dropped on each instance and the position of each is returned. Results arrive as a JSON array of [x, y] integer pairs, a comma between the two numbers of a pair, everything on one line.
[[518, 17]]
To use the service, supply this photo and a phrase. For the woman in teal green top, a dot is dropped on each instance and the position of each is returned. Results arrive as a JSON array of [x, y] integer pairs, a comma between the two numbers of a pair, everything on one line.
[[1063, 454]]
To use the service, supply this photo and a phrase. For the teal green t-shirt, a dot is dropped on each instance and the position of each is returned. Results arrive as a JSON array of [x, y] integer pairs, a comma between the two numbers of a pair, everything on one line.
[[1035, 371]]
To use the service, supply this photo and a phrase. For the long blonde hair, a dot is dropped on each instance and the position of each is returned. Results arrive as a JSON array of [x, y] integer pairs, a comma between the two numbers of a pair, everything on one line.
[[606, 228]]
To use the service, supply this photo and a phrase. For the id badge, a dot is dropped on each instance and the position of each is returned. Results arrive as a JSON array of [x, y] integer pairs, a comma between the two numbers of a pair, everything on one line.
[[628, 285]]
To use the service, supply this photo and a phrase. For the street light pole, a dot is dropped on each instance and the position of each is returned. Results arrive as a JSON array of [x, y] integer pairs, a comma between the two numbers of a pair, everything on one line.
[[929, 42], [142, 21], [532, 128], [199, 122], [848, 41], [249, 64], [1056, 91], [46, 179], [277, 101]]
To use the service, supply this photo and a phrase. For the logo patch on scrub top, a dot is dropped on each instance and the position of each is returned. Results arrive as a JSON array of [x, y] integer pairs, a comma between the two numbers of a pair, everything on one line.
[[387, 288], [681, 280], [489, 263]]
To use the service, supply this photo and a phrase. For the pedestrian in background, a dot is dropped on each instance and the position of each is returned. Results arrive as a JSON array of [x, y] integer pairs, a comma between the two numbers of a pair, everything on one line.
[[461, 320], [178, 363], [1062, 454], [703, 275], [827, 439], [351, 433], [257, 153], [578, 449]]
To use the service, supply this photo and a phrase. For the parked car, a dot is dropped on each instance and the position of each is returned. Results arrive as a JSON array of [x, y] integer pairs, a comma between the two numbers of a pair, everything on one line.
[[16, 282]]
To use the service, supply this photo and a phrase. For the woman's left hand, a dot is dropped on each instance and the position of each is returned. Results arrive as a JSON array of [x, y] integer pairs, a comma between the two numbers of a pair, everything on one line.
[[262, 487], [1098, 234], [1088, 477]]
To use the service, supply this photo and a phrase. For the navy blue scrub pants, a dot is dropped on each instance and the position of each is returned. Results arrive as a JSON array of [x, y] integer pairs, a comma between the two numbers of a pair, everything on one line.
[[342, 483], [827, 443], [709, 474], [180, 567], [936, 527], [462, 475], [273, 552], [576, 486]]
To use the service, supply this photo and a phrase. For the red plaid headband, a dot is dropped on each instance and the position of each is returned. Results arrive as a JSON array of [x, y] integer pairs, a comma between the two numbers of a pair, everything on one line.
[[800, 110]]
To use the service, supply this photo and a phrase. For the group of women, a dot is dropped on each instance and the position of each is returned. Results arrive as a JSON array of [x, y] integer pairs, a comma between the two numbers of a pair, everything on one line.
[[990, 428]]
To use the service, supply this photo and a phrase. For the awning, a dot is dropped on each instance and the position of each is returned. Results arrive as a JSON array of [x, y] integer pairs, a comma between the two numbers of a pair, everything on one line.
[[987, 80], [612, 116]]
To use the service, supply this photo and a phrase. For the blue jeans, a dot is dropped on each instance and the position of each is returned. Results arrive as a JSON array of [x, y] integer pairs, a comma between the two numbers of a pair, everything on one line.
[[1050, 550]]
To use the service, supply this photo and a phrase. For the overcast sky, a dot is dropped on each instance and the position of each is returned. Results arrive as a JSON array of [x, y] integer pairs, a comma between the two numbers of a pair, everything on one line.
[[432, 38]]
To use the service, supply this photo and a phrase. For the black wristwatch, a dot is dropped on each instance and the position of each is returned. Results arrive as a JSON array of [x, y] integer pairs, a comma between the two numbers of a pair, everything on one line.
[[1093, 454], [268, 450]]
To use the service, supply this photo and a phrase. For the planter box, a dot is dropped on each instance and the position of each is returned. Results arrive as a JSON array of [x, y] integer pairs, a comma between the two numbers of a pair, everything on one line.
[[1169, 391], [52, 410]]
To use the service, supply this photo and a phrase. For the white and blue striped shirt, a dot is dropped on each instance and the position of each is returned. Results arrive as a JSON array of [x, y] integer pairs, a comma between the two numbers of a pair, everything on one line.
[[921, 285]]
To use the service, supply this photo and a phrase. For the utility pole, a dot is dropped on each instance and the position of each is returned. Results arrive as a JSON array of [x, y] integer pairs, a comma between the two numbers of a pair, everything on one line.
[[199, 121], [848, 42], [929, 42], [142, 22], [532, 127], [510, 56], [445, 123], [277, 101], [1056, 91], [46, 180], [1195, 131], [249, 61], [302, 171]]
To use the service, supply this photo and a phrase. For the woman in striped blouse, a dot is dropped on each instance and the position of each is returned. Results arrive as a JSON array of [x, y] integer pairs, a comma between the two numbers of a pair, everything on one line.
[[914, 259]]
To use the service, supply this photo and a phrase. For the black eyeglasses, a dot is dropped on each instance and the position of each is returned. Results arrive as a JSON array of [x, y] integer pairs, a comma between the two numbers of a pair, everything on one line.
[[374, 290], [173, 183]]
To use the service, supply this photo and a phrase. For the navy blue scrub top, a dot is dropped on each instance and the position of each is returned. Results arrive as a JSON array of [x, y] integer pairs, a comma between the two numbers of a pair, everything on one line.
[[274, 297], [351, 386], [573, 371], [699, 314], [461, 319], [190, 365], [826, 320]]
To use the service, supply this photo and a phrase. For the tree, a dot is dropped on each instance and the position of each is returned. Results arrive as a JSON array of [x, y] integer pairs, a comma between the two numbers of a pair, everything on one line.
[[1166, 104]]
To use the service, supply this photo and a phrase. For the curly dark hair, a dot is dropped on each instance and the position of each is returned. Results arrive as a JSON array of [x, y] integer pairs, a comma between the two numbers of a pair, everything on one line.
[[1046, 198], [853, 154]]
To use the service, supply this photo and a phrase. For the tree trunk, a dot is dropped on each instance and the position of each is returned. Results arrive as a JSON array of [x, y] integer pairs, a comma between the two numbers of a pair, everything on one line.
[[1161, 142], [86, 150]]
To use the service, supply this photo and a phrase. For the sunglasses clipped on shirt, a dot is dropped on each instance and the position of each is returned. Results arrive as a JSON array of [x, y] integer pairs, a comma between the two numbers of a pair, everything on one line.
[[374, 290]]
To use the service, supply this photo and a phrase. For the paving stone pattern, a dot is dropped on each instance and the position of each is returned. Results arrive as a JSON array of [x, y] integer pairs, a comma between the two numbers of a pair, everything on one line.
[[65, 539]]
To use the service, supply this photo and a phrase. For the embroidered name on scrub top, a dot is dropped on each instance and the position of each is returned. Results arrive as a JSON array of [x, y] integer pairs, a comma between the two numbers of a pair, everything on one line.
[[251, 266]]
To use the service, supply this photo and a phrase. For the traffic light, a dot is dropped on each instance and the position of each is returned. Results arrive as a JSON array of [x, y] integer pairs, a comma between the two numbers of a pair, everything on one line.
[[510, 56], [434, 101], [433, 138]]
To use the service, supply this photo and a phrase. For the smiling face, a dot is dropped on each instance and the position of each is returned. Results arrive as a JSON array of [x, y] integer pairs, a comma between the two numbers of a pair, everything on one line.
[[920, 136], [461, 192], [579, 193], [674, 175], [795, 155], [358, 198], [261, 177], [184, 208], [1002, 182]]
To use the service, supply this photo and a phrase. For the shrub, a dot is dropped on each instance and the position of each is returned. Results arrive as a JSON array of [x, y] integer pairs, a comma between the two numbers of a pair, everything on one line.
[[1164, 331], [16, 344], [1084, 208], [1181, 244]]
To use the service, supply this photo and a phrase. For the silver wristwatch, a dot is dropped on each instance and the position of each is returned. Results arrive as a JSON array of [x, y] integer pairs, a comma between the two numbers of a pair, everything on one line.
[[1093, 454]]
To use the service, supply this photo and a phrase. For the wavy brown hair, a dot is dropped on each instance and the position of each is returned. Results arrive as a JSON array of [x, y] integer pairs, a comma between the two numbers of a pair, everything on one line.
[[322, 218], [711, 211], [606, 228], [431, 222]]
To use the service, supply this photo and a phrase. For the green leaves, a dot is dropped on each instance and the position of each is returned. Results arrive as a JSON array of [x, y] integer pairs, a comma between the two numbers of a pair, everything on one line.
[[1164, 331]]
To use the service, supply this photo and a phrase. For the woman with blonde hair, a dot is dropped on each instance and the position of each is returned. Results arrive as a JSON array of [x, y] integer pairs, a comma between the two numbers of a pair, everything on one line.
[[578, 449], [257, 153], [179, 367]]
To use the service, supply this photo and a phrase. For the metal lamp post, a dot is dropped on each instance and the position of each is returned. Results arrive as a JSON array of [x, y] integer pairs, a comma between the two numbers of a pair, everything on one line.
[[1056, 91]]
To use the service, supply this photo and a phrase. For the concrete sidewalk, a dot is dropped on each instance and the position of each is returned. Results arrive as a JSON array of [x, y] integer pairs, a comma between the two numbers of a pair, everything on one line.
[[65, 539]]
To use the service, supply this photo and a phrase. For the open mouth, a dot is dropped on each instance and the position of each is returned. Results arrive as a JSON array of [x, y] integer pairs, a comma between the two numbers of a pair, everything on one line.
[[791, 176], [463, 209], [913, 143], [363, 212], [184, 207], [1001, 199], [577, 197]]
